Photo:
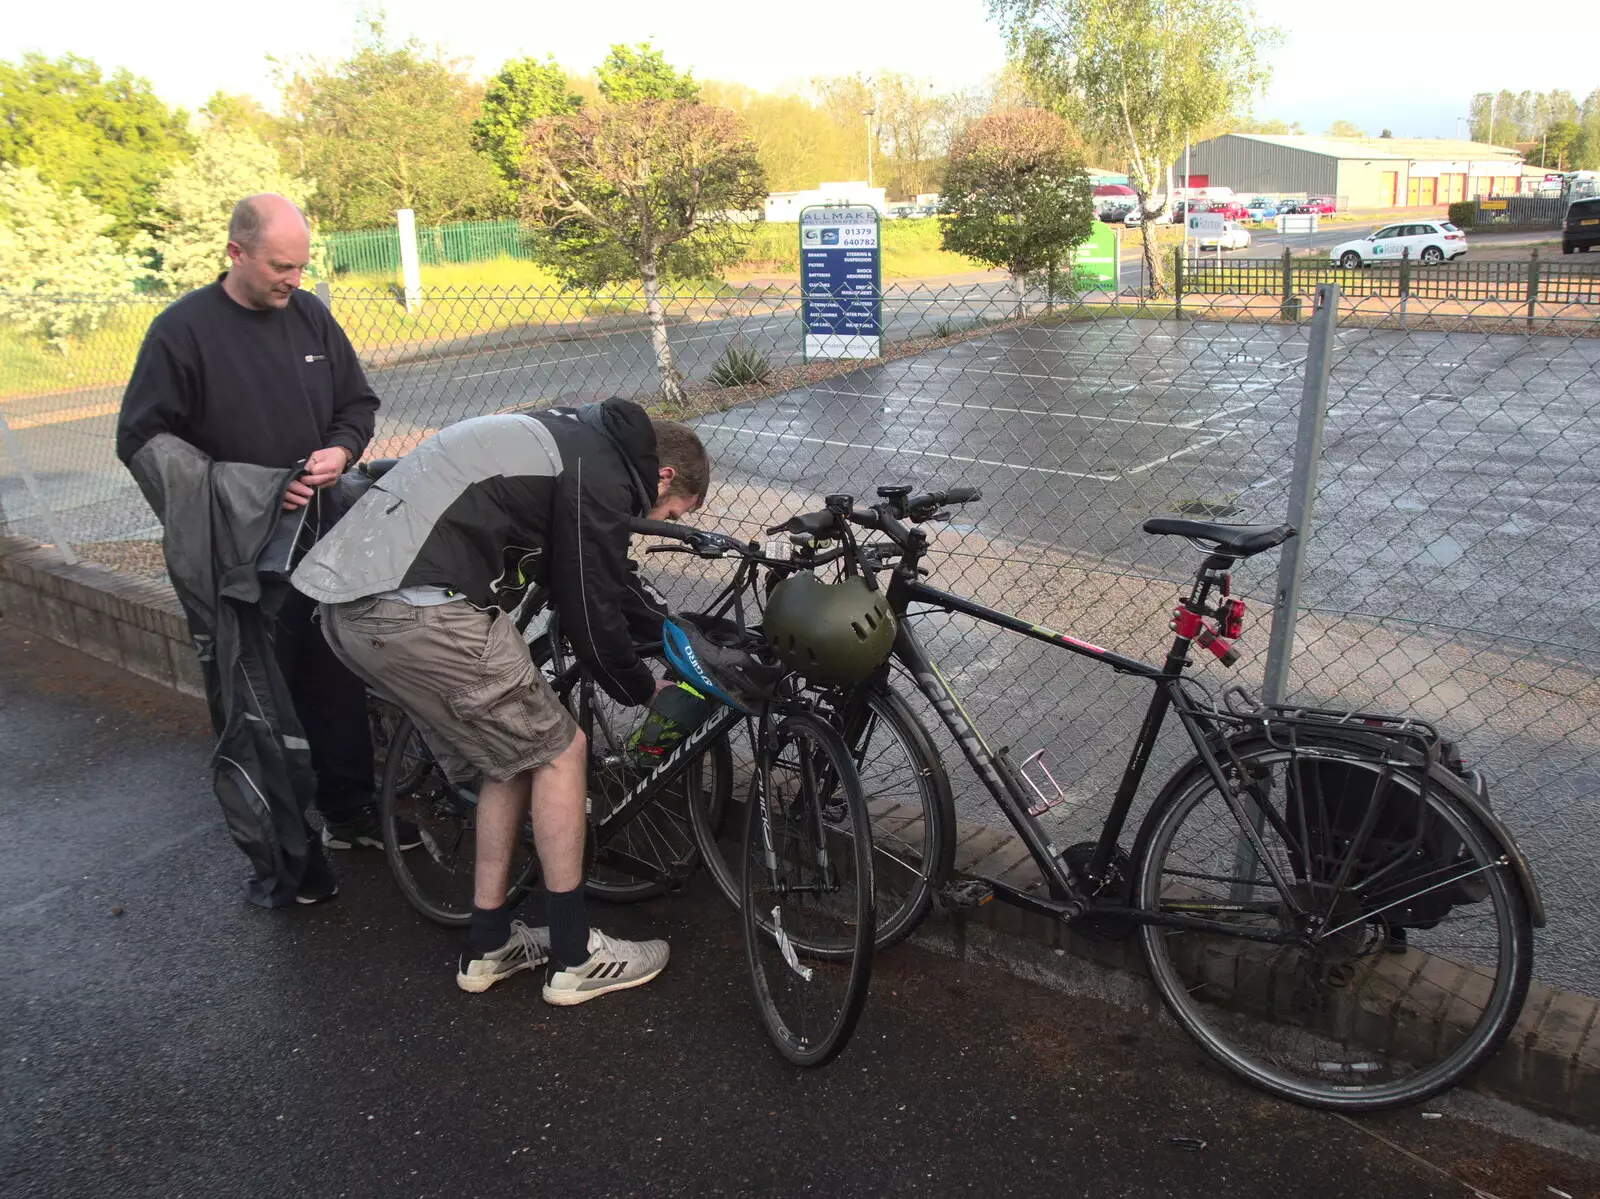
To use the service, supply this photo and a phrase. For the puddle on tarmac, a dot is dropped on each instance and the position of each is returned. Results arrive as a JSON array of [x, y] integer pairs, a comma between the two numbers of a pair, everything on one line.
[[1444, 551]]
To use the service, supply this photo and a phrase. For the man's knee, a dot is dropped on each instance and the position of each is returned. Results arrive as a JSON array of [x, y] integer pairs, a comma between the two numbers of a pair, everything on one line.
[[575, 751]]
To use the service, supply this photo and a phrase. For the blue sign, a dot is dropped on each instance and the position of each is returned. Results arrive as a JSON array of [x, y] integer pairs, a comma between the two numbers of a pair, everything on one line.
[[841, 281]]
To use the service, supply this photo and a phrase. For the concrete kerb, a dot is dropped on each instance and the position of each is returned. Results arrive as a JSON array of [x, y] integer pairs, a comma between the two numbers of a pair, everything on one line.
[[1551, 1063]]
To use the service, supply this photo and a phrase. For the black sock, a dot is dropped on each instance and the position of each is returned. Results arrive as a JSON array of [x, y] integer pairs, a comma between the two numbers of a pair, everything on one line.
[[490, 928], [569, 927]]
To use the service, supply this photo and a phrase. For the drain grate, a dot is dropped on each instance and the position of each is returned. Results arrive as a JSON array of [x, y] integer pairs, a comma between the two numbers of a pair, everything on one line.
[[1210, 509]]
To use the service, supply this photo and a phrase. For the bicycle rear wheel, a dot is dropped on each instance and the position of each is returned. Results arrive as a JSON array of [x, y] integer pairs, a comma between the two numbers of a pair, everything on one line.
[[662, 837], [1408, 962], [807, 891], [436, 877]]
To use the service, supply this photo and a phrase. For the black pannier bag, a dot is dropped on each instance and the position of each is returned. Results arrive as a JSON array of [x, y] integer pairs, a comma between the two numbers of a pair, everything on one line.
[[1407, 852]]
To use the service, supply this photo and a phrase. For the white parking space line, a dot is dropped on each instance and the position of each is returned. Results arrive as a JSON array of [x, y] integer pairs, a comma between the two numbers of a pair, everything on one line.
[[1188, 449], [892, 450], [1062, 416], [526, 366]]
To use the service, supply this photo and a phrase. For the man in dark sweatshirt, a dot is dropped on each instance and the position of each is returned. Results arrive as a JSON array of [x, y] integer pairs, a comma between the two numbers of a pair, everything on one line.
[[252, 369]]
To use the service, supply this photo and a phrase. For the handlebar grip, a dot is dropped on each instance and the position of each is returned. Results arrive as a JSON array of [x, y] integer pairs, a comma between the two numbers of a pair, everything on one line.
[[815, 523], [938, 499]]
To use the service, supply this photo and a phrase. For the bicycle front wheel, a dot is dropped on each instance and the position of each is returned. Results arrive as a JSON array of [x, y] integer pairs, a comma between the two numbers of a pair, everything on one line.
[[1402, 941], [807, 900]]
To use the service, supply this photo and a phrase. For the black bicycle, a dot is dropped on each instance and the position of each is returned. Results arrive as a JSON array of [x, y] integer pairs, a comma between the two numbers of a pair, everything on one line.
[[1325, 899], [801, 864]]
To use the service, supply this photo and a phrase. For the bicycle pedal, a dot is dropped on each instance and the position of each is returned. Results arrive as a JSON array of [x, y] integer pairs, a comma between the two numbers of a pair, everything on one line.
[[966, 893]]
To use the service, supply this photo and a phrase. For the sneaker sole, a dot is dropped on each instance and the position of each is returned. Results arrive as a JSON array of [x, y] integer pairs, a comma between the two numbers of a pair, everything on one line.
[[360, 843], [315, 899], [477, 986], [573, 998]]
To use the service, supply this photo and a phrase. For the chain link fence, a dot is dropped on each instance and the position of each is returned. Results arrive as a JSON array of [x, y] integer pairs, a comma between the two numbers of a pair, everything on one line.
[[1447, 573]]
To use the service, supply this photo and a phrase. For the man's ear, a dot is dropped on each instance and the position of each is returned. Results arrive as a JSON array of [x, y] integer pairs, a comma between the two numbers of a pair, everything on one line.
[[664, 478]]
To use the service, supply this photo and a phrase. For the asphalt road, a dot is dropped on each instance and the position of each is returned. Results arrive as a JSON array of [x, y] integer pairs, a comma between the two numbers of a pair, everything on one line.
[[163, 1038]]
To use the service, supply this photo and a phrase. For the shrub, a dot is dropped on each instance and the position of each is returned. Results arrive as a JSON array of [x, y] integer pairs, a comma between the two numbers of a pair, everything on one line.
[[741, 366], [1463, 213]]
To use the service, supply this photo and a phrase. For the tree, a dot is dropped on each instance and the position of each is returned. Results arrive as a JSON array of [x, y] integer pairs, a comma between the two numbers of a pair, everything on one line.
[[1386, 133], [1140, 76], [797, 144], [1586, 147], [59, 265], [1346, 129], [241, 114], [525, 90], [651, 177], [1015, 194], [1557, 143], [197, 197], [389, 128], [1278, 128], [111, 139], [631, 74]]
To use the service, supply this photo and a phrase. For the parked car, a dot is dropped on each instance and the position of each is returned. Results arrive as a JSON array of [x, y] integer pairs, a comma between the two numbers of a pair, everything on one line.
[[1115, 214], [1429, 242], [1581, 229], [1262, 209], [1234, 236], [1231, 210], [1322, 205]]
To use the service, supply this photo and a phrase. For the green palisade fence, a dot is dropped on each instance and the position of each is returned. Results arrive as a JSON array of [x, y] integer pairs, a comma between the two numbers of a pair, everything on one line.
[[377, 251]]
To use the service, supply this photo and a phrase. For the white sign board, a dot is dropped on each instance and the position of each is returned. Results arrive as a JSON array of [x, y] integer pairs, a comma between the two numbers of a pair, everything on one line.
[[1199, 224], [1297, 222], [841, 282]]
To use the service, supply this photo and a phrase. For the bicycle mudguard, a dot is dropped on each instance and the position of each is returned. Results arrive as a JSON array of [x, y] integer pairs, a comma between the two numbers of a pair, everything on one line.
[[1474, 798]]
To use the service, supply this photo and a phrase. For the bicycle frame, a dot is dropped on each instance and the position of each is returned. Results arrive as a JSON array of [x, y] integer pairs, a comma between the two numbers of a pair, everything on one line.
[[1001, 777]]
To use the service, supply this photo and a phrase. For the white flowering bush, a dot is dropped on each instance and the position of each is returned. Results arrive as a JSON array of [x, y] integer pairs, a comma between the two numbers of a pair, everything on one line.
[[59, 272]]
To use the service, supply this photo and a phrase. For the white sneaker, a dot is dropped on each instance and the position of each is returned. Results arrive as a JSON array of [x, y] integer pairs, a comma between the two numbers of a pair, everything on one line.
[[527, 947], [613, 965]]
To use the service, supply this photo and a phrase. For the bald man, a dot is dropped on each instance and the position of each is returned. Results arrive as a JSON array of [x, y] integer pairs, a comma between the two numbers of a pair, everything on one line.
[[252, 369]]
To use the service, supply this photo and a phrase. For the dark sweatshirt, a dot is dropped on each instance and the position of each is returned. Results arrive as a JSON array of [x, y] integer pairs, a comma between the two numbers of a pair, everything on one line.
[[266, 388]]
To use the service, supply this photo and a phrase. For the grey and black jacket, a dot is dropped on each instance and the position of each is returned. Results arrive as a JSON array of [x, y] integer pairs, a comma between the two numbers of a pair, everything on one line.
[[487, 506]]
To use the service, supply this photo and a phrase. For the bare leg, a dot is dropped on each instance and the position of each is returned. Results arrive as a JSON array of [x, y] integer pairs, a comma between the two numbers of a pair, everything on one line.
[[559, 820], [499, 817]]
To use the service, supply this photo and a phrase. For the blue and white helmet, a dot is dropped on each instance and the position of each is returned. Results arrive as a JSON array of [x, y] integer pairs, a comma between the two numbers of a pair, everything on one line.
[[719, 658]]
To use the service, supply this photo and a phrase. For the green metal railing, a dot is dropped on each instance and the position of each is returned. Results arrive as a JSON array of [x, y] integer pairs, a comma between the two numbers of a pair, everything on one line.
[[377, 251]]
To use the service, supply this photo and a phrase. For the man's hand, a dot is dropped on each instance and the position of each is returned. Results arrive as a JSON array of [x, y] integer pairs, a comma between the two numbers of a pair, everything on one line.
[[322, 468]]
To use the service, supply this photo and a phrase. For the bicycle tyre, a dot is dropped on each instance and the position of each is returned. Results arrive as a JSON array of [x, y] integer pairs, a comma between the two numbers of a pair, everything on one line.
[[810, 952], [1354, 1005], [914, 854], [436, 876]]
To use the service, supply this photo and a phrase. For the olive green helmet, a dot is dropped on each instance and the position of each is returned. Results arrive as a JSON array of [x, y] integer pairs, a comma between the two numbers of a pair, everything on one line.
[[832, 633]]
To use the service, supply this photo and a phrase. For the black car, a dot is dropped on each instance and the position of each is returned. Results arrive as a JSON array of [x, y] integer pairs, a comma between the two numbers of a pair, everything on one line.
[[1582, 228]]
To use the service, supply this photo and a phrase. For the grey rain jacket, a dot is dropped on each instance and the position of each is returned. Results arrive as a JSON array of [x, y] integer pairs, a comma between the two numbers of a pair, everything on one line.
[[229, 548]]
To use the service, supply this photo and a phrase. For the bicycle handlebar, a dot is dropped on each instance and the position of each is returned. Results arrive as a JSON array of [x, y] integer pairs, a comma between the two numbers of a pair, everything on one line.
[[931, 501]]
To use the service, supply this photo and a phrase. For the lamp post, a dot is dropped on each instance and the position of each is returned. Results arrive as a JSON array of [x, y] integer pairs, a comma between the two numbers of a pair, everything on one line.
[[868, 113]]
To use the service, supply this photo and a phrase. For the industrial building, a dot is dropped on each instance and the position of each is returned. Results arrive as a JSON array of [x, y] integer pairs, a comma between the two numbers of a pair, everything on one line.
[[1358, 172], [786, 206]]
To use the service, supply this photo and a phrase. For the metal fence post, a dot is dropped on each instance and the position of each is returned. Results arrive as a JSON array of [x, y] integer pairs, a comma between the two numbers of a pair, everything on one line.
[[1302, 490], [1289, 310], [1405, 283], [1533, 286], [14, 449], [325, 294], [1177, 281], [1291, 558]]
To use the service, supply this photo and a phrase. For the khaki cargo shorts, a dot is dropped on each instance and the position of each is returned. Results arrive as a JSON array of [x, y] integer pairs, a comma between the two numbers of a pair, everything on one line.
[[463, 674]]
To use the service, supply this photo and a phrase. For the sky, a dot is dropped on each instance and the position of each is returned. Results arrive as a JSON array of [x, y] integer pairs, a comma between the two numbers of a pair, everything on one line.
[[1336, 61]]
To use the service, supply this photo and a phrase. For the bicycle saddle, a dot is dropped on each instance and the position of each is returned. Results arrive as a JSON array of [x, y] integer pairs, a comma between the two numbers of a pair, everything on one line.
[[1231, 541], [376, 468]]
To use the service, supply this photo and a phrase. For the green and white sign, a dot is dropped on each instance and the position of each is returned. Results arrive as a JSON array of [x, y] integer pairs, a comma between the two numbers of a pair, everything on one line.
[[1095, 260]]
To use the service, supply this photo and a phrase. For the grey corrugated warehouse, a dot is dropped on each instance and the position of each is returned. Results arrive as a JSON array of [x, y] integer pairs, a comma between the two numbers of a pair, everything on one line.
[[1361, 172]]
